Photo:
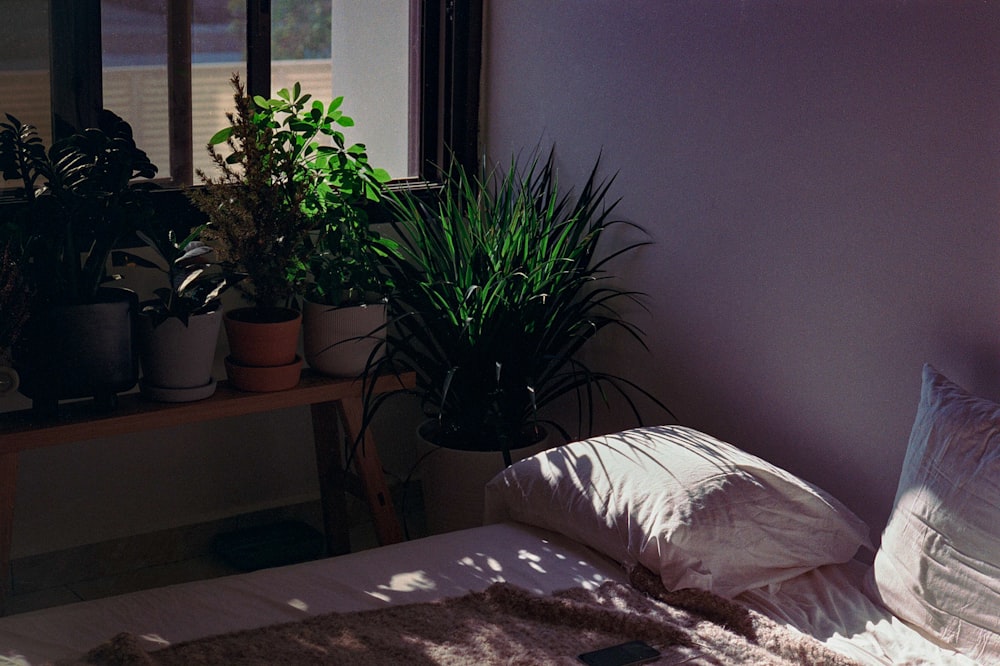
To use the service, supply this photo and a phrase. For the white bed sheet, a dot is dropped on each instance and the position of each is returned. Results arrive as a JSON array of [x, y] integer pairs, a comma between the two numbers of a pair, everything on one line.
[[827, 603], [444, 565]]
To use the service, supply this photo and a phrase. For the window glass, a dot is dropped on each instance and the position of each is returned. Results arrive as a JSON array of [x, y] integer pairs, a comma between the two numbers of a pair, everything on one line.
[[358, 49], [370, 66], [24, 64], [135, 62]]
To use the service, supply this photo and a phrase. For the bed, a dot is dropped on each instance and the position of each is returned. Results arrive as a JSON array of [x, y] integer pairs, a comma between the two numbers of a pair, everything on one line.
[[696, 524]]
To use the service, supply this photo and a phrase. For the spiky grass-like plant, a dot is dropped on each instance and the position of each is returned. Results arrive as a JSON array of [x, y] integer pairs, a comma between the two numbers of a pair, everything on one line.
[[501, 282]]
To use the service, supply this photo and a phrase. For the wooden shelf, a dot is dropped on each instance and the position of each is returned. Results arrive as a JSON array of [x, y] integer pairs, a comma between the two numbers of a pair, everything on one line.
[[22, 430]]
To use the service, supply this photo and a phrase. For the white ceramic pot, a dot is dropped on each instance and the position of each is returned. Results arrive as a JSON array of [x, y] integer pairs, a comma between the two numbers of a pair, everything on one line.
[[177, 360], [338, 341], [454, 482]]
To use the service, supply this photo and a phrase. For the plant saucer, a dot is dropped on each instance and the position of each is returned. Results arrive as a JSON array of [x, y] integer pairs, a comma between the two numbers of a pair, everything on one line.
[[163, 394]]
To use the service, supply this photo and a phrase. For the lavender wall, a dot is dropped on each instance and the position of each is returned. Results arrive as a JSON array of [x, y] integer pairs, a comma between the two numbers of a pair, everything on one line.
[[822, 181]]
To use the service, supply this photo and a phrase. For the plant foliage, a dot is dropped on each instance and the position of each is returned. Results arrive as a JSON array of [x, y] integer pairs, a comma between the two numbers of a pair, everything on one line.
[[501, 282], [79, 198], [347, 266], [15, 296], [277, 183], [195, 284]]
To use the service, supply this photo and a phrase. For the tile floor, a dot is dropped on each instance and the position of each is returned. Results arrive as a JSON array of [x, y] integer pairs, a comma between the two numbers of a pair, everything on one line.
[[154, 560]]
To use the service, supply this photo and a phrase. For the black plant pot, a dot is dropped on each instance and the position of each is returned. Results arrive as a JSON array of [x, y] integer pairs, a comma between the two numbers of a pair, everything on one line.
[[80, 351]]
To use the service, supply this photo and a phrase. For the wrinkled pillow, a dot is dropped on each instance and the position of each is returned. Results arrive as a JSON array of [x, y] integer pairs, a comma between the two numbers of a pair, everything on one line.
[[700, 512], [938, 566]]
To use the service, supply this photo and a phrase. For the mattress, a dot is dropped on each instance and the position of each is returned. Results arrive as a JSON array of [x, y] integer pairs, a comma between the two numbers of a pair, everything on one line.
[[827, 602], [435, 567]]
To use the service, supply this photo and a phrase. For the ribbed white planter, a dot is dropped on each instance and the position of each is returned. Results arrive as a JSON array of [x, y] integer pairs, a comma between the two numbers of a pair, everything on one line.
[[339, 340]]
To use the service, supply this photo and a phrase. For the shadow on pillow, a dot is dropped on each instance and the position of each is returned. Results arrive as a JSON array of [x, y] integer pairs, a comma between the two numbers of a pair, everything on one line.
[[938, 566], [698, 511]]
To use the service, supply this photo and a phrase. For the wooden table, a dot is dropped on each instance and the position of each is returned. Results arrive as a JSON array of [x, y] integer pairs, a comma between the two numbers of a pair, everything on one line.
[[331, 400]]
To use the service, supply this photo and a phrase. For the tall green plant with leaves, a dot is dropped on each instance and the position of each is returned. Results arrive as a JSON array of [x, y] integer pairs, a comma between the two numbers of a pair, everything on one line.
[[502, 280], [286, 170]]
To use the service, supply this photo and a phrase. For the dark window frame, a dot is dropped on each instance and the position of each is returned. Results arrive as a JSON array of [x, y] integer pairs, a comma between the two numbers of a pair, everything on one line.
[[444, 81]]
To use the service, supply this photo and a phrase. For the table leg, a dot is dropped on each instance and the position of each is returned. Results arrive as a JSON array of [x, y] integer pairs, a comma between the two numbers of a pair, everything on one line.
[[8, 486], [369, 469], [332, 483]]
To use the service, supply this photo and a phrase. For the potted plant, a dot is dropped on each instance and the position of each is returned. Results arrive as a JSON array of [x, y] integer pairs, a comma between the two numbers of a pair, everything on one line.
[[344, 311], [263, 205], [78, 199], [500, 283], [345, 306], [179, 328]]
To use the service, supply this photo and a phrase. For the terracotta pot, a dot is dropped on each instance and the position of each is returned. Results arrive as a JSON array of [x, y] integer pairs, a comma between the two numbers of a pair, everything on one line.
[[264, 379], [262, 348], [176, 359], [80, 351], [263, 337], [338, 341]]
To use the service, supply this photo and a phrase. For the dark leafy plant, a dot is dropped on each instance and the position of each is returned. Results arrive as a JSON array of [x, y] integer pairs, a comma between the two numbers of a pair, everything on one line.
[[195, 283], [501, 282], [14, 298], [277, 184], [79, 199]]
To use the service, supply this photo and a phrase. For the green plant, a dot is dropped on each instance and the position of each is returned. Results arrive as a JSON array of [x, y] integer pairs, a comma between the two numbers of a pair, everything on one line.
[[79, 199], [277, 184], [347, 268], [500, 284], [195, 284]]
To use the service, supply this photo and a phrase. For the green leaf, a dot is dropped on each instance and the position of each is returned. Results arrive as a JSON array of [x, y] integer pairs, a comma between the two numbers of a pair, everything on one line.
[[221, 136]]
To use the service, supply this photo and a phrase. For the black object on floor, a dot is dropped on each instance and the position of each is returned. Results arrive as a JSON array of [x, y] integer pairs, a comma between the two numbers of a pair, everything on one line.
[[267, 546]]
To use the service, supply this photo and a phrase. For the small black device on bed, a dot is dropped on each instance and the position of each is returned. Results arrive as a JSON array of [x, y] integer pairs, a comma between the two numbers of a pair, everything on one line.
[[633, 652]]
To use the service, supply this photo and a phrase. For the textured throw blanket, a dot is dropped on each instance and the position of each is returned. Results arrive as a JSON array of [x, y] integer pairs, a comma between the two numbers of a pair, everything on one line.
[[505, 625]]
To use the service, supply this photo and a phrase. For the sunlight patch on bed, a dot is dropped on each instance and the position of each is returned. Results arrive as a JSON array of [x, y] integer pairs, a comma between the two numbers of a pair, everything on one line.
[[14, 660], [410, 581], [489, 563], [532, 560], [298, 604], [157, 640]]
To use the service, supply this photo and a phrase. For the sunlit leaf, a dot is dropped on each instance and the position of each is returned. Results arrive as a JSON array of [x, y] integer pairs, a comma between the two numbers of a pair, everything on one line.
[[221, 136]]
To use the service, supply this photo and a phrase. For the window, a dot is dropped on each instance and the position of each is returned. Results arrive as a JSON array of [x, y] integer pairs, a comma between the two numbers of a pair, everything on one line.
[[408, 70]]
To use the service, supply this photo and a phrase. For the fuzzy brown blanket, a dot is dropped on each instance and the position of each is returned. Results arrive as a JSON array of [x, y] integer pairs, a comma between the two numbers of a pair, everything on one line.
[[505, 625]]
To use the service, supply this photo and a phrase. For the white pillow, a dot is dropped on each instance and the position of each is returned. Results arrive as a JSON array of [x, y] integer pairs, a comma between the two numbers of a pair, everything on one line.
[[701, 512], [939, 563]]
